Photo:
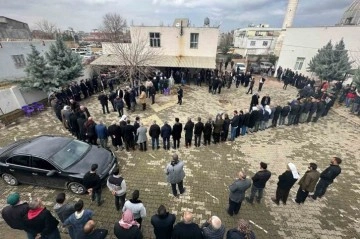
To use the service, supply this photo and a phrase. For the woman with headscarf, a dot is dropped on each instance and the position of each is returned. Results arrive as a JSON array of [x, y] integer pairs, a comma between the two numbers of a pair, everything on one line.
[[243, 231], [127, 227], [286, 181], [136, 207]]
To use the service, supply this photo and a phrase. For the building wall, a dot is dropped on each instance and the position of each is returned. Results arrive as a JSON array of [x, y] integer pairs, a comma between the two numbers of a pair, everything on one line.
[[12, 29], [8, 70], [174, 44], [305, 42]]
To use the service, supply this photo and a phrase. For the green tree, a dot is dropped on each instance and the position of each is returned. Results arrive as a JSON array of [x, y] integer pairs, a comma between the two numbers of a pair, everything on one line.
[[65, 65], [38, 73], [331, 63], [356, 78], [273, 59]]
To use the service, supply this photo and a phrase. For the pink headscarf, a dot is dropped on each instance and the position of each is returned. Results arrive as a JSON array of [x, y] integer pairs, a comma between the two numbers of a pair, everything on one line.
[[127, 220]]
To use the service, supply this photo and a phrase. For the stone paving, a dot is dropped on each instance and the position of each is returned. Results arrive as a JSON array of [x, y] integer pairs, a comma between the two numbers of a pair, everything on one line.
[[209, 170]]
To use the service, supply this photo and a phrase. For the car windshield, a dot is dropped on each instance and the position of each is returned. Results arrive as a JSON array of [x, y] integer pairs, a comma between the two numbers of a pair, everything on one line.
[[70, 154]]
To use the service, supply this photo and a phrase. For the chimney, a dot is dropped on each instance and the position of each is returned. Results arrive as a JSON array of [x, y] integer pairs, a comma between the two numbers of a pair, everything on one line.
[[290, 13]]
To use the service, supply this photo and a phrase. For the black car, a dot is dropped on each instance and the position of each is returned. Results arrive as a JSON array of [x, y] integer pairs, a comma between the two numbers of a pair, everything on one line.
[[53, 161]]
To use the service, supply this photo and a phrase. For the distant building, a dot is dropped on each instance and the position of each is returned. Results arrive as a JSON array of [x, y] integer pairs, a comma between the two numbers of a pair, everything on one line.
[[256, 40], [180, 45], [11, 29]]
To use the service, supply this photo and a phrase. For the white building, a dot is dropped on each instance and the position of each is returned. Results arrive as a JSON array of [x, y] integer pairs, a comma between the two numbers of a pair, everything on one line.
[[300, 45], [260, 40], [179, 45]]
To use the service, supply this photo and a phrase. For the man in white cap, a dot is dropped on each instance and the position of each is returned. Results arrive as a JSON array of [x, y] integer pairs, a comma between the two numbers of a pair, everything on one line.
[[286, 181]]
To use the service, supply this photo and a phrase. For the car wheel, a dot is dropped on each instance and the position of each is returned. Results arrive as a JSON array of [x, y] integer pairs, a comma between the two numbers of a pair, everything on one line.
[[76, 188], [9, 179]]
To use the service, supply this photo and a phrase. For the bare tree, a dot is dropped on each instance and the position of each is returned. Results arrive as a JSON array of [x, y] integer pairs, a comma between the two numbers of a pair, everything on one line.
[[136, 58], [113, 26], [48, 29]]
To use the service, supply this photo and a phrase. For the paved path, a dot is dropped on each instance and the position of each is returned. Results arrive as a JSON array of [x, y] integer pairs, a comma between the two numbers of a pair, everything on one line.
[[209, 170]]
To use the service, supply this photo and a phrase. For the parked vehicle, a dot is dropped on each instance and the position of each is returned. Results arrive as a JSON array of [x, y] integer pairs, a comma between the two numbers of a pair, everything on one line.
[[53, 161], [241, 66], [255, 68], [264, 66]]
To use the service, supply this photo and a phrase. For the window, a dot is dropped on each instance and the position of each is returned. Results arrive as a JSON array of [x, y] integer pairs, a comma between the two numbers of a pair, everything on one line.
[[155, 39], [21, 160], [265, 43], [19, 61], [299, 63], [252, 43], [70, 154], [194, 40], [41, 164]]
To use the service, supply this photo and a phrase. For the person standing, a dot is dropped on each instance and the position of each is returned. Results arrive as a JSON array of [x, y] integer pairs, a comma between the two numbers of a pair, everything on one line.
[[152, 92], [189, 129], [327, 177], [14, 214], [102, 134], [154, 133], [136, 207], [307, 183], [187, 229], [208, 127], [180, 95], [198, 129], [92, 183], [284, 113], [218, 128], [254, 101], [90, 133], [63, 210], [243, 231], [104, 102], [117, 187], [175, 174], [213, 228], [261, 83], [90, 232], [141, 135], [119, 105], [142, 99], [176, 133], [40, 223], [259, 182], [163, 223], [165, 133], [129, 135], [78, 219], [237, 193], [286, 181], [265, 100], [234, 125], [115, 134], [127, 227], [252, 83]]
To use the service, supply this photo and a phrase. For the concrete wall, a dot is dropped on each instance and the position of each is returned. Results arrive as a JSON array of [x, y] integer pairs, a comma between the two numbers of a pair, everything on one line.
[[305, 42], [13, 98], [12, 29], [174, 44], [8, 70]]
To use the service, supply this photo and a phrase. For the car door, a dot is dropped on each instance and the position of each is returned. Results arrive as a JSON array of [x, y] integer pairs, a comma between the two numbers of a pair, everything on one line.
[[41, 168], [19, 167]]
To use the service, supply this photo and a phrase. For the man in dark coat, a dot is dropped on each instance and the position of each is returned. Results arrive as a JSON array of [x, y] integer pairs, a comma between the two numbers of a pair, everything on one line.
[[320, 110], [84, 89], [252, 83], [254, 100], [127, 98], [81, 121], [165, 133], [180, 95], [92, 183], [176, 133], [253, 118], [312, 110], [154, 133], [187, 229], [128, 135], [64, 210], [14, 214], [327, 177], [114, 131], [104, 102], [234, 125], [276, 116], [294, 108], [265, 100], [188, 128], [284, 113], [198, 129], [259, 182], [163, 223], [286, 181], [208, 127], [112, 96]]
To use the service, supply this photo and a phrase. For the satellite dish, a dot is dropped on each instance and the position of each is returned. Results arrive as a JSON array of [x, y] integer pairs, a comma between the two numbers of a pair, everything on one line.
[[206, 21]]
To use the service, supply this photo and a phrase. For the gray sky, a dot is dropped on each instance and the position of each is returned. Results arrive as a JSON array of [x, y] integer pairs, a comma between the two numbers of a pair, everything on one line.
[[231, 14]]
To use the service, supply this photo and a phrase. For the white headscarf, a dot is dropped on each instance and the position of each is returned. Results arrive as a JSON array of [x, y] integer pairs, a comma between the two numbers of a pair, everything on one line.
[[294, 171], [267, 108]]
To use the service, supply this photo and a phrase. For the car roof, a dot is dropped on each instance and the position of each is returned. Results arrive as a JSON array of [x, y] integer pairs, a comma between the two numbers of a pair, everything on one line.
[[42, 146]]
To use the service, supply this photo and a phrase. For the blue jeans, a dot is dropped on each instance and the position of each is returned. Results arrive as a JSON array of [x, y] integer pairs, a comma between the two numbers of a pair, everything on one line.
[[155, 141], [233, 133], [243, 130], [253, 193]]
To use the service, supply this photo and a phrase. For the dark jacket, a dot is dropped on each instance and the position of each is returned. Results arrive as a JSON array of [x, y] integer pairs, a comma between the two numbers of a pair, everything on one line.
[[103, 99], [131, 233], [44, 223], [277, 112], [265, 100], [313, 107], [218, 126], [226, 124], [307, 106], [165, 131], [199, 128], [14, 215], [163, 225], [154, 131], [92, 180], [189, 129], [286, 180], [236, 234], [254, 116], [294, 109], [211, 233], [309, 180], [177, 129], [208, 128], [254, 100], [246, 119], [285, 111], [260, 178], [330, 173], [235, 121], [184, 230], [64, 211]]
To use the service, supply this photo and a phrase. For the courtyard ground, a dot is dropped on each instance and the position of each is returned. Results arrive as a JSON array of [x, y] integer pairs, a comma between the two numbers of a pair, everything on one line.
[[209, 170]]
